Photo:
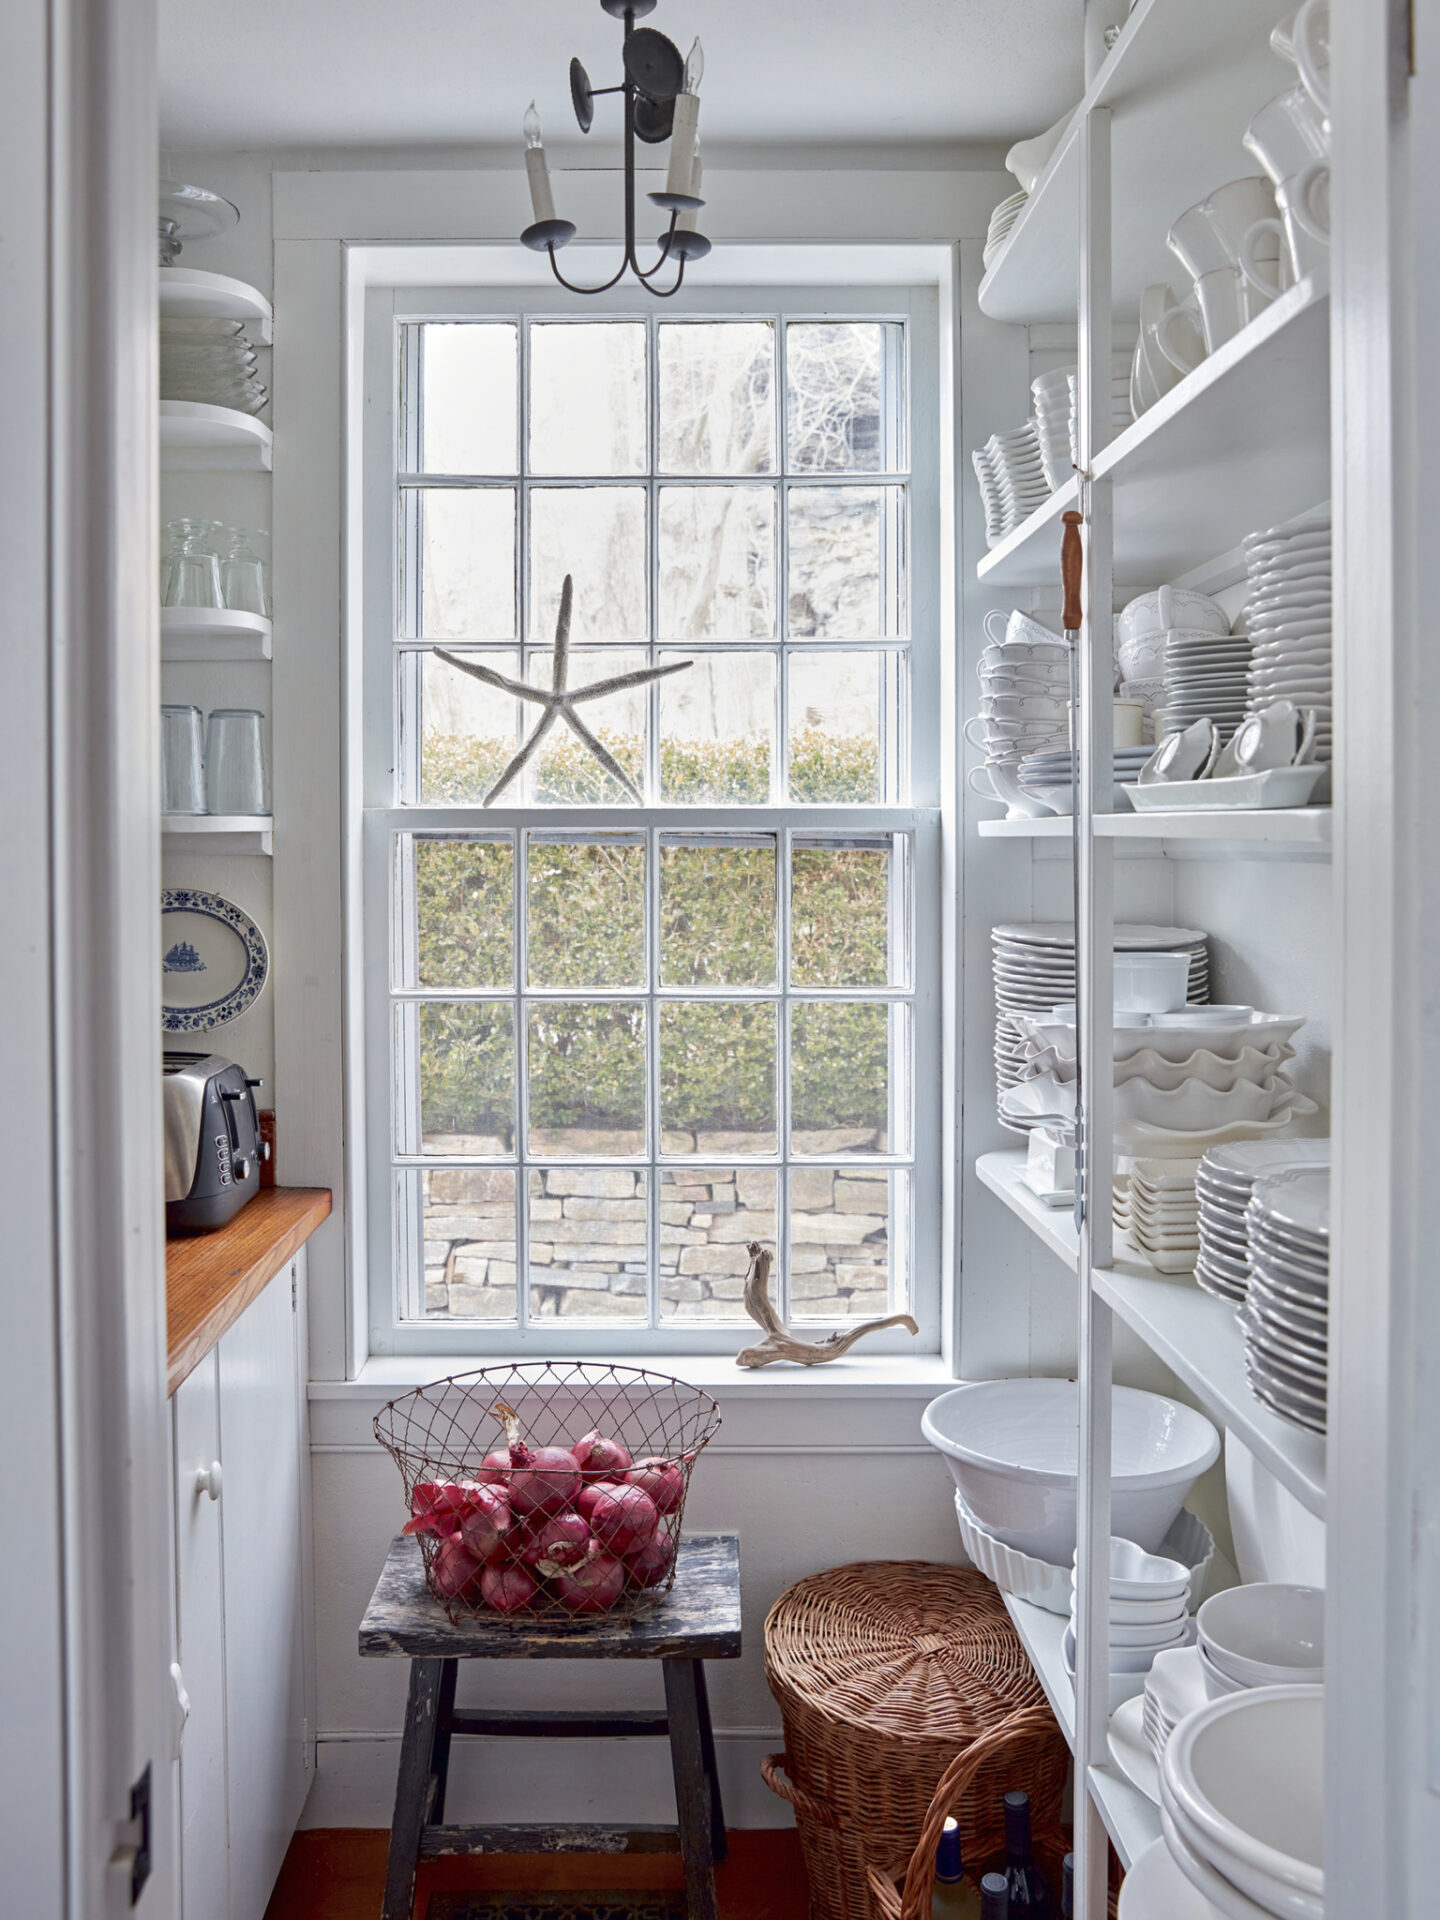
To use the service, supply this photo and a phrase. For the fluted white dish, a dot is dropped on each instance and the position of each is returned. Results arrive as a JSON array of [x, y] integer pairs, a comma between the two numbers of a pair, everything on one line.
[[1187, 1545]]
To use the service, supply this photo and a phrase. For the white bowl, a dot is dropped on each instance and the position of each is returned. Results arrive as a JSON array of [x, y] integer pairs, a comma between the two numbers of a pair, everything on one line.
[[1123, 1685], [1266, 1634], [1148, 1633], [1245, 1777], [1138, 1575], [1217, 1684], [1139, 1613], [1151, 982], [1012, 1445]]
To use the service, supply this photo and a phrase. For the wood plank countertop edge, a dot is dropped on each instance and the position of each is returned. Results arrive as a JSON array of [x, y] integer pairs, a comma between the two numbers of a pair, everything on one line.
[[211, 1278]]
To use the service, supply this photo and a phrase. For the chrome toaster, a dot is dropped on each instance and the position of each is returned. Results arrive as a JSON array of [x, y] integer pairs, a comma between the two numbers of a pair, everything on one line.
[[212, 1141]]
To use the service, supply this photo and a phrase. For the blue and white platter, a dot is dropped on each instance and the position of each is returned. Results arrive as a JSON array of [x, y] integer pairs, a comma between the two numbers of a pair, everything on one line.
[[214, 960]]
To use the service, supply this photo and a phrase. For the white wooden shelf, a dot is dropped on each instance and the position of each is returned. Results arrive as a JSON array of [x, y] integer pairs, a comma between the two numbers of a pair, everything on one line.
[[189, 293], [195, 437], [212, 633], [1195, 1335], [226, 833], [1240, 443], [1277, 826], [1182, 82]]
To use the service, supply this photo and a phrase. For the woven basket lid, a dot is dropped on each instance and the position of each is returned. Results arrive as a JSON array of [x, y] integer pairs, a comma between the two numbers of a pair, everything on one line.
[[905, 1648]]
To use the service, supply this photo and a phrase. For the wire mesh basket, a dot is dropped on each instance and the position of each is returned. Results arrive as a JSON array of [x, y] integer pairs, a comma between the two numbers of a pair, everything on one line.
[[548, 1487]]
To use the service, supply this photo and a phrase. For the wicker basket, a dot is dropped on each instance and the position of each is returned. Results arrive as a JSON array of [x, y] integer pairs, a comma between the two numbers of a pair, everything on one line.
[[886, 1672]]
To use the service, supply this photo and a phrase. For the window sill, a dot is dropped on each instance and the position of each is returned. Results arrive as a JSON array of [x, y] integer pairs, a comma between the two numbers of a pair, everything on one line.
[[921, 1375]]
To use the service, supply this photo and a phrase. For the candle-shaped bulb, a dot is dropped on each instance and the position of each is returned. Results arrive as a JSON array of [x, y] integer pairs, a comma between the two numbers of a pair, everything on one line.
[[694, 67], [531, 125], [686, 222], [541, 198], [682, 126]]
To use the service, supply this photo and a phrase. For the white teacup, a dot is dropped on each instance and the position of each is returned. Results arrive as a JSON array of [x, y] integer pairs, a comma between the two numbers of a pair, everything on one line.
[[1155, 614], [1310, 50], [1022, 706], [1017, 627], [996, 781], [1196, 245], [1287, 134], [1222, 305], [1180, 335], [1271, 738], [1236, 206], [1303, 228]]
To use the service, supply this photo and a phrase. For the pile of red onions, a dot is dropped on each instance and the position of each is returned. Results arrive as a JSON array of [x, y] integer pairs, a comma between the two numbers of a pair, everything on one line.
[[579, 1525]]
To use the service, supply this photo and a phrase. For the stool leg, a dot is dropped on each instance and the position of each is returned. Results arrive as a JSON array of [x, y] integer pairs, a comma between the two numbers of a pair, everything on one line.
[[692, 1789], [719, 1847], [444, 1713], [413, 1785]]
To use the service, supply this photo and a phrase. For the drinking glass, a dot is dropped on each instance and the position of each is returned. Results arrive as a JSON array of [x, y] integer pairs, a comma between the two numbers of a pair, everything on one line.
[[235, 761], [242, 578], [182, 764], [194, 576]]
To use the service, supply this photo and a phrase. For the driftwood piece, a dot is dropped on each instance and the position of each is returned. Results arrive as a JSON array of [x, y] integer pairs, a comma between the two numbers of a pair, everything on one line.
[[779, 1343]]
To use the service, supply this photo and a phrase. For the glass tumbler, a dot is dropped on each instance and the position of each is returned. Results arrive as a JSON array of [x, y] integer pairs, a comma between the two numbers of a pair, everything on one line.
[[194, 576], [242, 578], [235, 761], [182, 762]]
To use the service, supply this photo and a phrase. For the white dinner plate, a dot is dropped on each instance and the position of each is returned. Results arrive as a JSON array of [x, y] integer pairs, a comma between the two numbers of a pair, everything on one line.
[[1298, 1197], [1131, 1751]]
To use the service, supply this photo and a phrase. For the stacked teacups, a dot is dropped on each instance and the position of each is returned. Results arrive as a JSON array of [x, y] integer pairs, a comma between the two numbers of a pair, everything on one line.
[[1289, 139], [1012, 479], [1224, 1182], [1268, 1634], [1286, 1315], [1207, 240], [1024, 675], [1288, 615], [1149, 1614]]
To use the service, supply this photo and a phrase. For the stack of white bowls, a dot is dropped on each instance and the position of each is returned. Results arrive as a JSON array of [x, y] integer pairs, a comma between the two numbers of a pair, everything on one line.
[[1155, 1206], [1002, 219], [1051, 394], [1242, 1803], [1012, 480], [1224, 1181], [1149, 1615], [1145, 629], [1289, 619], [1268, 1634]]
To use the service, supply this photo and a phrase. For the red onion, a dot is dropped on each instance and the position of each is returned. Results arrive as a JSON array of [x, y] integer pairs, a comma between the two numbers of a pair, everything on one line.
[[564, 1540], [542, 1479], [623, 1518], [486, 1523], [590, 1494], [597, 1583], [601, 1458], [508, 1587], [454, 1566], [663, 1480], [648, 1566], [438, 1506]]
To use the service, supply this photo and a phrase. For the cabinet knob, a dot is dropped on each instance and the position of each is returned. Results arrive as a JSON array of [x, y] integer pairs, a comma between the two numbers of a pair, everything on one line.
[[207, 1480]]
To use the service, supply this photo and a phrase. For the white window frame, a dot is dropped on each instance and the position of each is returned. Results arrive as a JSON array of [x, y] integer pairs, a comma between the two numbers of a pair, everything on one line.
[[387, 310]]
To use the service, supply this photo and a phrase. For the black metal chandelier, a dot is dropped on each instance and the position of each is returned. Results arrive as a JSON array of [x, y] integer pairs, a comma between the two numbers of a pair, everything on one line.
[[662, 102]]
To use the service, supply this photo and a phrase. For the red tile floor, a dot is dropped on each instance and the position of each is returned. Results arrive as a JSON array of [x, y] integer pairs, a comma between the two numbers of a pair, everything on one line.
[[338, 1873]]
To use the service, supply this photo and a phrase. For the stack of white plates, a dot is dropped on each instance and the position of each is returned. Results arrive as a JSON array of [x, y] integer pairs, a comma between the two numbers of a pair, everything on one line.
[[1051, 394], [1035, 970], [1223, 1184], [1206, 678], [1012, 479], [1121, 413], [1155, 1206], [1288, 616], [1047, 777], [1287, 1304], [1001, 221], [209, 360]]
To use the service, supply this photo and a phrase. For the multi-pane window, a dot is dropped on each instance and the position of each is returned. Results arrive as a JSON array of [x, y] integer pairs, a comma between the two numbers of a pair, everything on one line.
[[620, 1041]]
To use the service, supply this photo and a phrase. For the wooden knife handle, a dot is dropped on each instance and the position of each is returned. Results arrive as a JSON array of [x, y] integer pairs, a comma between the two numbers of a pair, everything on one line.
[[1072, 560]]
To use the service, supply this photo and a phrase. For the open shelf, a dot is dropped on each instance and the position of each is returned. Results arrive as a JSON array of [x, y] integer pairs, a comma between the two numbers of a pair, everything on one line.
[[1240, 443], [217, 833], [1183, 82], [195, 437], [189, 293], [213, 633], [1195, 1335], [1269, 826]]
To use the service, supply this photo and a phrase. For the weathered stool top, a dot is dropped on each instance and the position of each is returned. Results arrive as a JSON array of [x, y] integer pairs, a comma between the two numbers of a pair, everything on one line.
[[699, 1619]]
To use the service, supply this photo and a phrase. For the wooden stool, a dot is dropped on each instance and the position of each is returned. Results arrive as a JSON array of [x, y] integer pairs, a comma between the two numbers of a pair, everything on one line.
[[698, 1620]]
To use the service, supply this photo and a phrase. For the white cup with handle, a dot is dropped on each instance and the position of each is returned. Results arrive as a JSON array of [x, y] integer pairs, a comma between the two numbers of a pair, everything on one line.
[[1310, 50], [1237, 205], [997, 781], [1179, 333], [1222, 305], [1196, 245], [1287, 134], [1017, 628]]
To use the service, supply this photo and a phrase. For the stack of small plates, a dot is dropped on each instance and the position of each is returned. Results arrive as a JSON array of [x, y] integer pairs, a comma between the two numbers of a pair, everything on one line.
[[1287, 1305], [1012, 479], [1155, 1205], [1035, 970], [209, 360], [1206, 678], [1288, 616], [1001, 221], [1224, 1181], [1047, 777], [1121, 413], [1051, 393]]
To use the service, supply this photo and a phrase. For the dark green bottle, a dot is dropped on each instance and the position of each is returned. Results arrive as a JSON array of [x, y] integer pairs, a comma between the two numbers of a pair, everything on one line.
[[1029, 1894]]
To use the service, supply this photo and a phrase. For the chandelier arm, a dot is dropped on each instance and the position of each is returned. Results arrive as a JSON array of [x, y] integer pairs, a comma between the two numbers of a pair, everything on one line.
[[665, 240], [665, 293], [570, 286]]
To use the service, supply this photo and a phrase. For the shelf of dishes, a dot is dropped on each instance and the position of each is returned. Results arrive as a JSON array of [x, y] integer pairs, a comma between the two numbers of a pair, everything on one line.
[[1195, 1334], [213, 633], [1241, 442], [1183, 83], [195, 437], [1281, 826], [189, 293], [228, 833]]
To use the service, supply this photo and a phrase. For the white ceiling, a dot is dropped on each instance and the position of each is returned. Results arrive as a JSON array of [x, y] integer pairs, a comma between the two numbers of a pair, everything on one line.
[[375, 73]]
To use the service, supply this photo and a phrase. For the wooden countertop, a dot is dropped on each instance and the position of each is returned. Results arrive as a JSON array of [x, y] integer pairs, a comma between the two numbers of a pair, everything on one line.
[[210, 1278]]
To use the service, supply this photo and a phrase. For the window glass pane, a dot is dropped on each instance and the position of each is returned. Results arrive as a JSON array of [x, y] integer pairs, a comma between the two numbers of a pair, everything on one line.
[[597, 535], [717, 397], [842, 1227], [840, 1077], [468, 1227], [467, 1077], [565, 770], [468, 729], [717, 914], [587, 396], [588, 1236], [846, 547], [587, 1077], [839, 915], [717, 563], [707, 1215], [717, 1076], [468, 379], [717, 730], [586, 917], [464, 913], [838, 710], [467, 562], [839, 416]]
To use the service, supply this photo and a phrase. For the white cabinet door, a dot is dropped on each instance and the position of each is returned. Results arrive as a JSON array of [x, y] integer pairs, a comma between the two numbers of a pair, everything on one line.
[[260, 1431], [204, 1842]]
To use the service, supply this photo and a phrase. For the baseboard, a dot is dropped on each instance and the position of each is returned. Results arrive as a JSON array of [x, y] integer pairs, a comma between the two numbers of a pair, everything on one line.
[[506, 1780]]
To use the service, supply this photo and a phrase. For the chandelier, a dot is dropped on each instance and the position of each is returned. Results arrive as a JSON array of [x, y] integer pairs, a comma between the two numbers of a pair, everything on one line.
[[662, 102]]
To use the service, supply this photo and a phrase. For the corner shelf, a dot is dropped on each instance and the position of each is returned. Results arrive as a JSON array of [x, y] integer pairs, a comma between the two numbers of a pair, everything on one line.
[[212, 633], [212, 833], [1268, 826], [1195, 1334], [195, 437], [189, 293]]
